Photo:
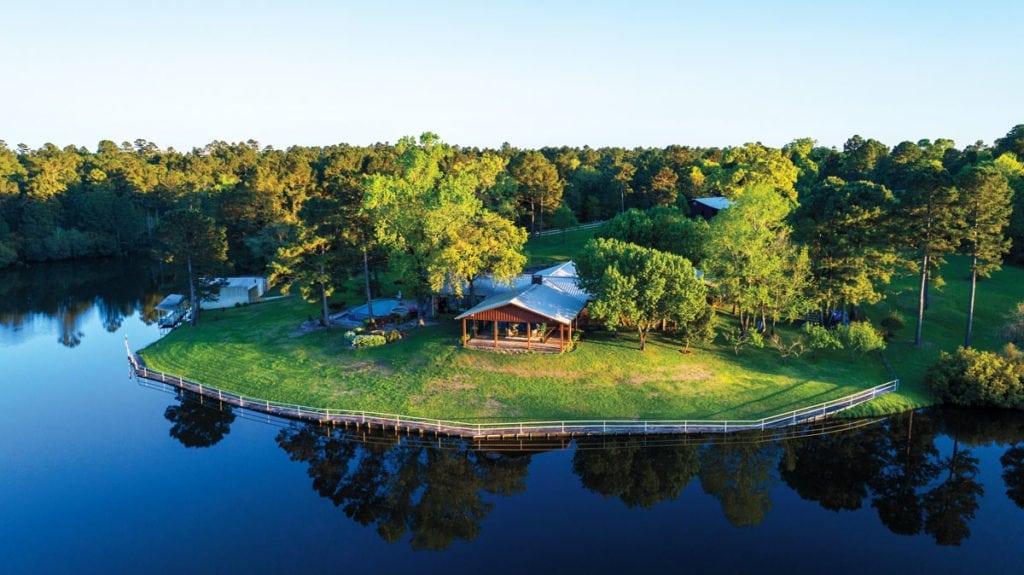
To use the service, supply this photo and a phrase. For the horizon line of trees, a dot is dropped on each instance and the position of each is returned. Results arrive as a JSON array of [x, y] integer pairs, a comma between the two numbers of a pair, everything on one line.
[[843, 220]]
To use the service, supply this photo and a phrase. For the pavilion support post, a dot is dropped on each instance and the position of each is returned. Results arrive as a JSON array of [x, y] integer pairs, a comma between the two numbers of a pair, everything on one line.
[[495, 335], [570, 332], [529, 332], [464, 339], [561, 337]]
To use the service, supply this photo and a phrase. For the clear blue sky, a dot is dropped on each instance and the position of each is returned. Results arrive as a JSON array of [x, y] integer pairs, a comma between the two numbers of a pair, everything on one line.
[[532, 73]]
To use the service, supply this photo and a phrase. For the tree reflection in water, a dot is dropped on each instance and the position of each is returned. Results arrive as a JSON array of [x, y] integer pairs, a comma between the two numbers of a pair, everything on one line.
[[1013, 473], [436, 493], [899, 467], [638, 474], [68, 291], [917, 471], [199, 422], [896, 467]]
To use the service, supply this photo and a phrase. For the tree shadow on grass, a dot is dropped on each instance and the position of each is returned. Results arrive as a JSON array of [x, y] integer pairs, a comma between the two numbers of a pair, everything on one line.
[[807, 401]]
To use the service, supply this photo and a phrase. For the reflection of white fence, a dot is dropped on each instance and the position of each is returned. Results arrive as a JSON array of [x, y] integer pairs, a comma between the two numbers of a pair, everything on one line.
[[373, 420]]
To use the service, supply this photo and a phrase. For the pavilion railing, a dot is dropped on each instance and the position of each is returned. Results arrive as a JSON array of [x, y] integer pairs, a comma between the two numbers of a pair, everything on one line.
[[370, 419]]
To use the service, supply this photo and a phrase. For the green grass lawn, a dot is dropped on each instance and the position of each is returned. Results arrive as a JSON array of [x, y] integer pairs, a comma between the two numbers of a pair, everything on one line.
[[945, 323], [259, 351], [559, 247]]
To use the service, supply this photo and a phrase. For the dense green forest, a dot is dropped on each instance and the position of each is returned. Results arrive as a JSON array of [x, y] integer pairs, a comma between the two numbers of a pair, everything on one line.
[[838, 223], [68, 203]]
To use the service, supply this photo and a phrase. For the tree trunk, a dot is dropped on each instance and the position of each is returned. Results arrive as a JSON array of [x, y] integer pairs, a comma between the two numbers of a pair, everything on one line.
[[324, 314], [920, 300], [533, 217], [928, 291], [366, 276], [970, 307], [643, 338]]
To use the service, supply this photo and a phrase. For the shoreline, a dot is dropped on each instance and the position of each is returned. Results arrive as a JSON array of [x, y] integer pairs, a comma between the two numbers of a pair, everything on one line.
[[363, 419]]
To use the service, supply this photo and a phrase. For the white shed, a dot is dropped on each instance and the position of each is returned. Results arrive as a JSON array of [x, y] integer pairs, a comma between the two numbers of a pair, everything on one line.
[[237, 291]]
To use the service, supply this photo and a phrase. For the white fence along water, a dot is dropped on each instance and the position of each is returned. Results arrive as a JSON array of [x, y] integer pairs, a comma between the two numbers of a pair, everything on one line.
[[370, 419]]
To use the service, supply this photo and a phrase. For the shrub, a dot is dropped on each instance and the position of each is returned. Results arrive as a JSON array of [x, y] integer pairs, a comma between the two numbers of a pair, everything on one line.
[[861, 336], [392, 335], [360, 341], [891, 324], [792, 348], [976, 378], [350, 335], [1014, 328], [737, 339], [818, 337]]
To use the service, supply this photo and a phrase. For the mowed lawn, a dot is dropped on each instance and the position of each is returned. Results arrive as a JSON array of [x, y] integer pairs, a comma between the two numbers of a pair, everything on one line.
[[945, 323], [260, 351]]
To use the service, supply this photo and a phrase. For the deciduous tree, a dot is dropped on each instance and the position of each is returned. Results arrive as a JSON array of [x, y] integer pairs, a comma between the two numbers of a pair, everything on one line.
[[638, 286]]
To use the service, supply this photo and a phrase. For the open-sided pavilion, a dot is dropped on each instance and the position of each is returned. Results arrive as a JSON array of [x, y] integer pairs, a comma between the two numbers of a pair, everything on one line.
[[539, 307]]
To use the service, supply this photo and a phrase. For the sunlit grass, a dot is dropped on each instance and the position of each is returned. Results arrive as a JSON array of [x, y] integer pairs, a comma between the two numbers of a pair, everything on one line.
[[945, 323], [259, 351]]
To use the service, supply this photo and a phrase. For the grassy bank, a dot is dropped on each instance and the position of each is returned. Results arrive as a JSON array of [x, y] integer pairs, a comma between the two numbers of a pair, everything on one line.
[[260, 351]]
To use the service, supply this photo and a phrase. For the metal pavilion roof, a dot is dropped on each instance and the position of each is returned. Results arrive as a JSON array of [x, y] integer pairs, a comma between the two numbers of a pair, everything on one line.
[[541, 299]]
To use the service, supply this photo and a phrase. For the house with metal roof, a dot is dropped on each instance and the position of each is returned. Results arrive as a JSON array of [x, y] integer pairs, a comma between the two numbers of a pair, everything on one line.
[[708, 208], [524, 318]]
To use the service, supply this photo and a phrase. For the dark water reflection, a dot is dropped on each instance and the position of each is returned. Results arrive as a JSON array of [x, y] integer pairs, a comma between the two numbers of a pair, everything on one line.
[[64, 293], [99, 475], [917, 471]]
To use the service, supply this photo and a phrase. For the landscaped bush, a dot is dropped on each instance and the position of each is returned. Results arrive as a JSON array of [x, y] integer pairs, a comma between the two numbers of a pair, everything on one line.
[[818, 337], [861, 336], [392, 336], [977, 378], [349, 335], [360, 341]]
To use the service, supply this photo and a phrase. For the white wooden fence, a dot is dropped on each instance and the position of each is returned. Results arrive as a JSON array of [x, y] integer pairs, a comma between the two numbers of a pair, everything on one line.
[[528, 429]]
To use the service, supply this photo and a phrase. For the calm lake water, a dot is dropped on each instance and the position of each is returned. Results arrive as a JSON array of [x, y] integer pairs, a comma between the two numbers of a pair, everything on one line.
[[101, 475]]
